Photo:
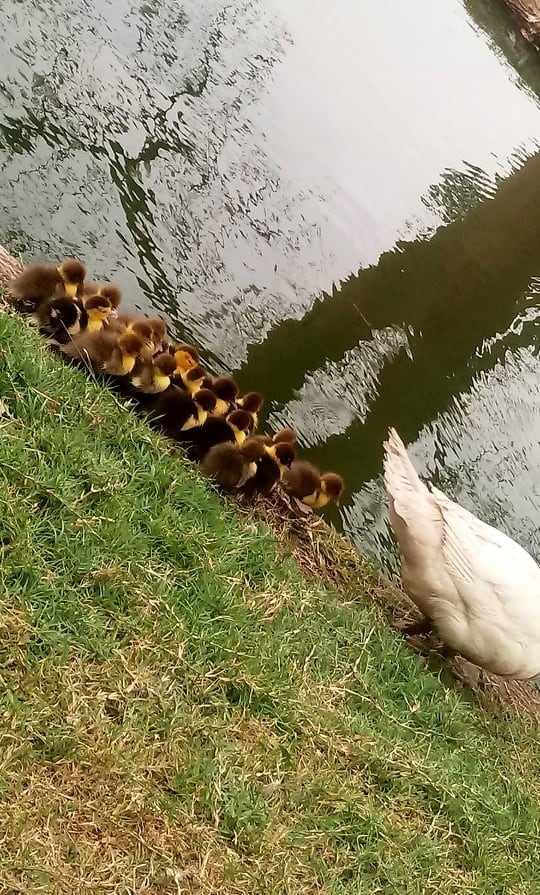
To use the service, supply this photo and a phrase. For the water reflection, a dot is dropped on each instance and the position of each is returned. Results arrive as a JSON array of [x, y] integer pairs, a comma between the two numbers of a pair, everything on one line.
[[338, 201], [340, 392], [480, 453]]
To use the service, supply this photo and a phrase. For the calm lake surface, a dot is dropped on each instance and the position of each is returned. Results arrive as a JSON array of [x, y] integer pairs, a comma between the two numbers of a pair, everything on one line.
[[339, 202]]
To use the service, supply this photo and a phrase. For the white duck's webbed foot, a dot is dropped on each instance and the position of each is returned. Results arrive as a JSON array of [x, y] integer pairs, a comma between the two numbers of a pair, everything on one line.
[[465, 671], [411, 629]]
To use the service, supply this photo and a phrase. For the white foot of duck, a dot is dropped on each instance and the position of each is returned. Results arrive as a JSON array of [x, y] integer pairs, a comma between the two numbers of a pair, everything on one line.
[[478, 587]]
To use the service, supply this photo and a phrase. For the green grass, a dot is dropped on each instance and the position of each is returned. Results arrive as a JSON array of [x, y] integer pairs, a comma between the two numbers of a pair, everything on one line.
[[181, 711]]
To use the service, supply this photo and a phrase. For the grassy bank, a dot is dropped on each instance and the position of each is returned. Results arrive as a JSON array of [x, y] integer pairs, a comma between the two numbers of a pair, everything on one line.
[[182, 712]]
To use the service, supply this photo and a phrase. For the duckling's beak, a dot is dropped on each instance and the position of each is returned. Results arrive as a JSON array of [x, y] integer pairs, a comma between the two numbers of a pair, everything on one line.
[[70, 289], [114, 313]]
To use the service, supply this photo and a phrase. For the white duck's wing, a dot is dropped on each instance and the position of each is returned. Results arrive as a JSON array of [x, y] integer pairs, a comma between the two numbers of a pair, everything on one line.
[[475, 550], [497, 586]]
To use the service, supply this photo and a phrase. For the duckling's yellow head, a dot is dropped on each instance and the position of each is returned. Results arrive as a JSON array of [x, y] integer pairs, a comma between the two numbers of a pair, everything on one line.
[[184, 361], [73, 274]]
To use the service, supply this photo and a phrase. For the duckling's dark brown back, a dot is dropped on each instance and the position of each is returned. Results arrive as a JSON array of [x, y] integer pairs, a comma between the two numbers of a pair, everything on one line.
[[265, 479], [169, 410], [225, 464], [225, 387], [36, 284], [301, 479], [198, 442]]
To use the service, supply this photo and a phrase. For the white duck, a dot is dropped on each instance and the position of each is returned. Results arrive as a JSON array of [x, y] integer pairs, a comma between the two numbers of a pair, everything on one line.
[[476, 587]]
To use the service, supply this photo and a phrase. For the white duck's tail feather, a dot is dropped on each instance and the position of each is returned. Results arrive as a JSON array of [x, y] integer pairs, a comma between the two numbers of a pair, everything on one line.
[[404, 487]]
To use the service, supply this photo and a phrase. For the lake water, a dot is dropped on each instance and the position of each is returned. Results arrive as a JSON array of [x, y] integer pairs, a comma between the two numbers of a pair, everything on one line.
[[339, 202]]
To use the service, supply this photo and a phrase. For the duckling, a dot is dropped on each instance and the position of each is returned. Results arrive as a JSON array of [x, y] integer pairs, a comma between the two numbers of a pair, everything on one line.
[[106, 352], [99, 310], [193, 379], [108, 290], [153, 376], [305, 482], [332, 487], [175, 411], [38, 283], [288, 435], [236, 427], [277, 458], [282, 435], [231, 466], [140, 328], [226, 390], [129, 349], [186, 356], [302, 479], [252, 402], [159, 330], [59, 319]]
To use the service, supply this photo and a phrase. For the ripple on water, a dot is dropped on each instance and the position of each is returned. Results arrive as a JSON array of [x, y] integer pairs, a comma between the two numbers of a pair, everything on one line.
[[482, 453], [340, 391]]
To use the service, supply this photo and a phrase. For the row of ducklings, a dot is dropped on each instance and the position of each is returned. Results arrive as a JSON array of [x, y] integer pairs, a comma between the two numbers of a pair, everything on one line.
[[207, 415]]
